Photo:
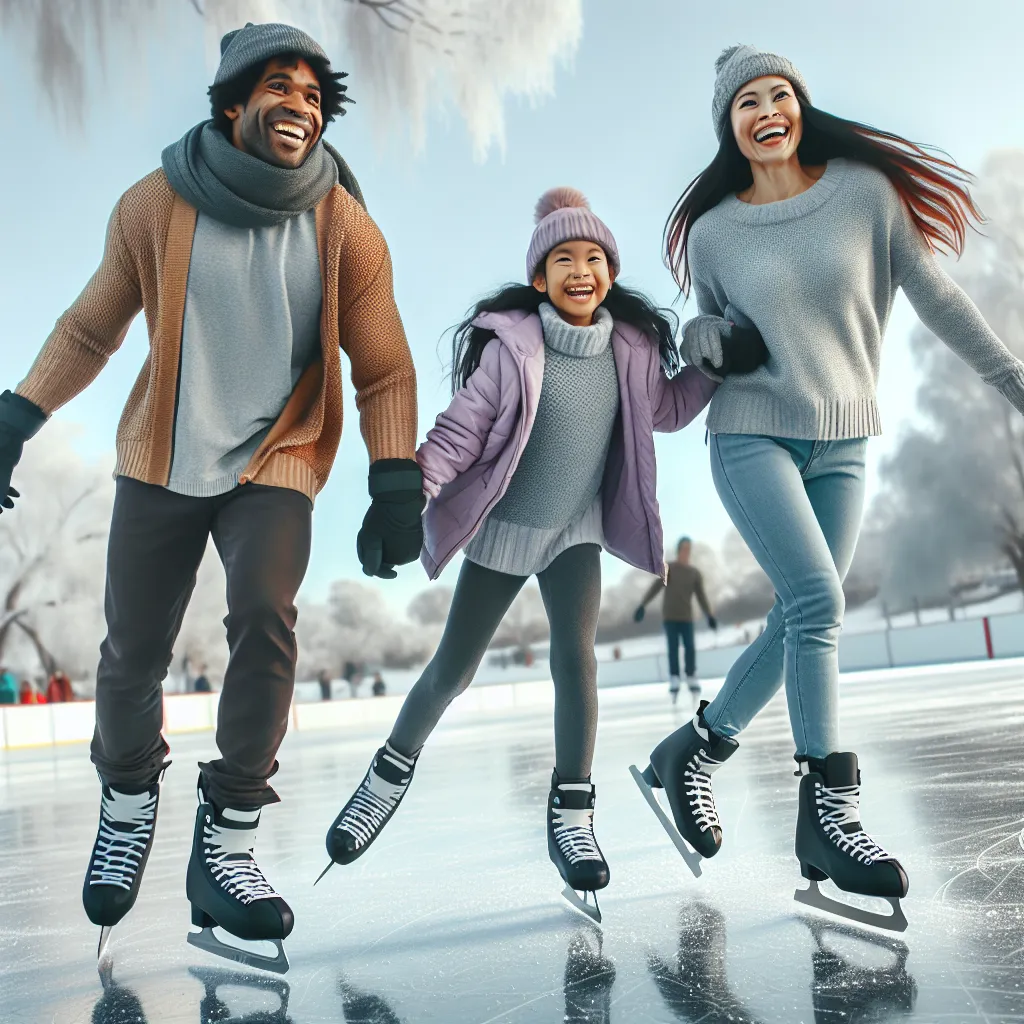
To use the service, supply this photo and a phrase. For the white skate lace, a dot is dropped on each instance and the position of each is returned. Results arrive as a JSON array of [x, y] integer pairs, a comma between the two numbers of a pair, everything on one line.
[[698, 789], [118, 853], [840, 806], [574, 833], [229, 856], [370, 805]]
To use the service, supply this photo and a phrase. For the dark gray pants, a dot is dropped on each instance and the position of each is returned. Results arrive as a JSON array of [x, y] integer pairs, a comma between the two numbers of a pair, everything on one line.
[[157, 540], [571, 589]]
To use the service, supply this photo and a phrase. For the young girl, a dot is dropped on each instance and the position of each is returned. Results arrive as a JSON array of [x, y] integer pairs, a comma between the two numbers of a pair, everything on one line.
[[545, 455], [807, 224]]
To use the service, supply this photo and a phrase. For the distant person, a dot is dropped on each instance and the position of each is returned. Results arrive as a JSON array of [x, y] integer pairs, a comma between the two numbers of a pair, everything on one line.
[[350, 673], [324, 679], [684, 583], [28, 694], [8, 688], [58, 689], [201, 683], [379, 687]]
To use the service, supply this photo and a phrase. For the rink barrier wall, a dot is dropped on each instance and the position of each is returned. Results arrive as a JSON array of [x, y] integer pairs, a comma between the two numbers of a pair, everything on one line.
[[966, 640]]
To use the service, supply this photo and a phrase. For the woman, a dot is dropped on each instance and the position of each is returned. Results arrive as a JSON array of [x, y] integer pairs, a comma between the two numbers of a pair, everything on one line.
[[806, 224], [545, 455]]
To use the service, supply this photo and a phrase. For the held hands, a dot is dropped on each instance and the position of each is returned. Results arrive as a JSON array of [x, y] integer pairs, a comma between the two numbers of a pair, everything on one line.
[[638, 615], [719, 346], [20, 419], [392, 531]]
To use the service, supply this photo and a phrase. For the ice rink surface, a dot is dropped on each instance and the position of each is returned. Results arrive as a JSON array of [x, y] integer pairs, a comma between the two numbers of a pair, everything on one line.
[[455, 915]]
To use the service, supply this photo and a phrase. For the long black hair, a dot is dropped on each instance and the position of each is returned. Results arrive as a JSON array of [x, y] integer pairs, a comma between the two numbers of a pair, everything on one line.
[[632, 307], [934, 189]]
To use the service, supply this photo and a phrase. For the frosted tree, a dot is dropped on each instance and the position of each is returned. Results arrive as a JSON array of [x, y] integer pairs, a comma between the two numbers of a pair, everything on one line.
[[953, 498], [411, 57], [52, 554]]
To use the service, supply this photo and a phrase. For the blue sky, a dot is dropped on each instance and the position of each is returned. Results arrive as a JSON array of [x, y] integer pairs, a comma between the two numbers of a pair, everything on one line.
[[630, 126]]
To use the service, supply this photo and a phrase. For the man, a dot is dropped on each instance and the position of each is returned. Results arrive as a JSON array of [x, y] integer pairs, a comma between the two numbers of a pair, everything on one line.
[[684, 583], [254, 260]]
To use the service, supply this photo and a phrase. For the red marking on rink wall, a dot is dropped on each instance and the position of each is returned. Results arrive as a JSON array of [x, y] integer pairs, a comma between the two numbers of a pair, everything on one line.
[[988, 637]]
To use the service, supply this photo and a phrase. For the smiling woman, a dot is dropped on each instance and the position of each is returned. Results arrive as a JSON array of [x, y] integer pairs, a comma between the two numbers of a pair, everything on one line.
[[806, 225]]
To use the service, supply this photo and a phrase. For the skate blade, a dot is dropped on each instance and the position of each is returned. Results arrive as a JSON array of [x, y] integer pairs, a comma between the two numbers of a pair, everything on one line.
[[324, 872], [812, 896], [690, 856], [105, 959], [591, 911], [206, 940]]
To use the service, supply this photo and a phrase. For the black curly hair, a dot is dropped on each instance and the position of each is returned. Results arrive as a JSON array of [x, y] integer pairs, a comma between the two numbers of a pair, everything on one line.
[[238, 89]]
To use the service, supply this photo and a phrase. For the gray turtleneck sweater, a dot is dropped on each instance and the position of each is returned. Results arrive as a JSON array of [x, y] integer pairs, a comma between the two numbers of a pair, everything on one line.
[[818, 274], [553, 501]]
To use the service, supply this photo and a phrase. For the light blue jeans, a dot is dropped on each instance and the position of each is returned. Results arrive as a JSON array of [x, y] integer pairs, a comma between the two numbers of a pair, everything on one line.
[[798, 505]]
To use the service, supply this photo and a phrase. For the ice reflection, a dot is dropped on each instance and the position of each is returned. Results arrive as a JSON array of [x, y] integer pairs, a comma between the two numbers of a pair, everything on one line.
[[695, 987], [364, 1007], [118, 1005], [589, 977], [844, 990], [215, 1010]]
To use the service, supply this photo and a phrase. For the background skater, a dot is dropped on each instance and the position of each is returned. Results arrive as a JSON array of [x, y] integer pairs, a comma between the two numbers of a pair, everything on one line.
[[684, 583]]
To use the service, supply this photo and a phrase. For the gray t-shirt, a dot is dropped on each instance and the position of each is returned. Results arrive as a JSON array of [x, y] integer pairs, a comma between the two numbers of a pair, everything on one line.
[[817, 275], [251, 327]]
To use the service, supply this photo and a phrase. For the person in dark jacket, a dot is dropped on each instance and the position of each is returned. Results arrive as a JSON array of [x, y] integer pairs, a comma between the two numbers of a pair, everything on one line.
[[685, 583]]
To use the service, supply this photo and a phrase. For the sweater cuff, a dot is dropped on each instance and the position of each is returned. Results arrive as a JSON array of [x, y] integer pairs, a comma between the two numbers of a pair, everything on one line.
[[388, 420], [1011, 386]]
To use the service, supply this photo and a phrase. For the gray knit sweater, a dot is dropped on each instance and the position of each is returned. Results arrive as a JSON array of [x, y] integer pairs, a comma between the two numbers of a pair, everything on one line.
[[251, 326], [817, 275], [553, 500]]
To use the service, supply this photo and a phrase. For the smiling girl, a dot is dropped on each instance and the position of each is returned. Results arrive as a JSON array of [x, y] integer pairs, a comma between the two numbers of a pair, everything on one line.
[[807, 225], [545, 455]]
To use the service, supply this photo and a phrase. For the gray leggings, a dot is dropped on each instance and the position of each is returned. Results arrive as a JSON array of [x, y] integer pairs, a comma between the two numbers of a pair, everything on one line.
[[571, 589]]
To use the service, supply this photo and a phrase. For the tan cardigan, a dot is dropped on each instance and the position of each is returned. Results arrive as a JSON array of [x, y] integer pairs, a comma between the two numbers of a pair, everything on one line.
[[145, 266]]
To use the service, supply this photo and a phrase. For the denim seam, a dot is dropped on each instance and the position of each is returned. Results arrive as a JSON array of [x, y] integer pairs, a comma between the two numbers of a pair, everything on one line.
[[725, 475]]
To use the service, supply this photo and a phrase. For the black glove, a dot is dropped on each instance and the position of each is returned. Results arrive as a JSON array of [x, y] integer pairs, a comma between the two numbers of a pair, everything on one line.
[[712, 622], [638, 615], [20, 419], [392, 531], [743, 351]]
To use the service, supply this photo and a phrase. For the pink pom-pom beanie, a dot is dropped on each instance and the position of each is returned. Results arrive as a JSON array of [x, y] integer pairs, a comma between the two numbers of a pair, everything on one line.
[[564, 215]]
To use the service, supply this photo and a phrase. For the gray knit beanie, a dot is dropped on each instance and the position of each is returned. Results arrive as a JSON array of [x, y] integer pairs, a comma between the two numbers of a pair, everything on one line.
[[741, 64], [256, 44], [564, 215]]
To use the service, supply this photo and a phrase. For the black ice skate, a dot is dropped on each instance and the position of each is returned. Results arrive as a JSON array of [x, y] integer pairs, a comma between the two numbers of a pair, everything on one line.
[[572, 845], [831, 843], [682, 765], [123, 841], [227, 889], [370, 807]]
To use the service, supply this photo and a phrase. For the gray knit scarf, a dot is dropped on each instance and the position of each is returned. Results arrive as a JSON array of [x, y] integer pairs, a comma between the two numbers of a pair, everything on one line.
[[232, 186]]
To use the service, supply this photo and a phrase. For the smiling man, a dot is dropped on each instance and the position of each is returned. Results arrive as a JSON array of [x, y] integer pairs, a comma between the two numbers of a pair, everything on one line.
[[254, 261]]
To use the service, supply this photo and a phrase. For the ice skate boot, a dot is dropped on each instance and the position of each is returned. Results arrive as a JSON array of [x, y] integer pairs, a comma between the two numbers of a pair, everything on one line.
[[682, 765], [370, 807], [673, 688], [572, 845], [831, 843], [123, 841], [228, 890]]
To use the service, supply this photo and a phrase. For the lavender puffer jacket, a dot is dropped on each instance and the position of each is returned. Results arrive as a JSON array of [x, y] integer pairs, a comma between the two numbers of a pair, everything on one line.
[[473, 448]]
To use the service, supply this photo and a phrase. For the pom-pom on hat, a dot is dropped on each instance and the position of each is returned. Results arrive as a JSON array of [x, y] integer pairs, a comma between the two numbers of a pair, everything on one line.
[[741, 64], [564, 215]]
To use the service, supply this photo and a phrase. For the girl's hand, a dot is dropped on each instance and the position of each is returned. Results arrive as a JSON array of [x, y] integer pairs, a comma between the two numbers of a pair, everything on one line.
[[702, 344]]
